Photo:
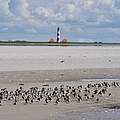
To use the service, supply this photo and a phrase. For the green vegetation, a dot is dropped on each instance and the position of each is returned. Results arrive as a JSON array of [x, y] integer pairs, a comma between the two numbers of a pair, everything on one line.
[[28, 43]]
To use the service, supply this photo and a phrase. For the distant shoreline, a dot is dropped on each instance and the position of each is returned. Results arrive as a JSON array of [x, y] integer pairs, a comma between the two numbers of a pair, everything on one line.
[[28, 43]]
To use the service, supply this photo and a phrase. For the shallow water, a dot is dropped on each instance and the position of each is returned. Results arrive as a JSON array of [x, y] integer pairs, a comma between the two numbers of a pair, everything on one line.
[[101, 114]]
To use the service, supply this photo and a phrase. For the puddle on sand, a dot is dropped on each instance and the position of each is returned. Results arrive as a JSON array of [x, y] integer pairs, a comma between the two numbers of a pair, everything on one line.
[[102, 114]]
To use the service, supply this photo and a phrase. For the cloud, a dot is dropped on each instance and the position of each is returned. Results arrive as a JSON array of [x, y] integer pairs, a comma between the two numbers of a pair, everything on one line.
[[44, 12], [32, 30], [19, 8], [70, 8], [4, 8], [75, 16]]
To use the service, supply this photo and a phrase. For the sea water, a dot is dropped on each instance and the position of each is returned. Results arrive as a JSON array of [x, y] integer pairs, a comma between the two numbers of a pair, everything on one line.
[[100, 114]]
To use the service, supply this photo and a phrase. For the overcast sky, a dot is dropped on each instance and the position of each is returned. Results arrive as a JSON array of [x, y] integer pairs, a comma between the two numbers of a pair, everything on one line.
[[79, 20]]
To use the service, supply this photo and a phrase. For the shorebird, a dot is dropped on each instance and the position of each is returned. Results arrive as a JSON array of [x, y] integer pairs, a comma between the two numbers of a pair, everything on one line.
[[90, 92]]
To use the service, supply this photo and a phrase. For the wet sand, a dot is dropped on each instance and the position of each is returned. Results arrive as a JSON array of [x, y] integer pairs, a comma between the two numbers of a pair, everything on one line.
[[58, 75], [52, 111]]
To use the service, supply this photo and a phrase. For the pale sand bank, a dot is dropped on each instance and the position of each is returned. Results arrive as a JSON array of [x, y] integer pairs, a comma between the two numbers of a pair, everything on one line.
[[49, 58]]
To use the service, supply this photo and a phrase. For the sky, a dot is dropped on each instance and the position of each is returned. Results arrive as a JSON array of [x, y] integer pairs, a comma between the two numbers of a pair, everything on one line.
[[79, 20]]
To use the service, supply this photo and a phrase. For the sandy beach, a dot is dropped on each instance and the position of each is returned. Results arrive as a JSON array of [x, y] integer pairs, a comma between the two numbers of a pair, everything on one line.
[[30, 63], [36, 66]]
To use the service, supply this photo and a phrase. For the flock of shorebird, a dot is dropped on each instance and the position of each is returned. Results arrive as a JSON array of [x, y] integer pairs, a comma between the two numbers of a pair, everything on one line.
[[92, 92]]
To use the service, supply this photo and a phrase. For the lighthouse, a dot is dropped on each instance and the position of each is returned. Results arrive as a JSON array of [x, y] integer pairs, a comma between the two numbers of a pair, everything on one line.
[[58, 34]]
